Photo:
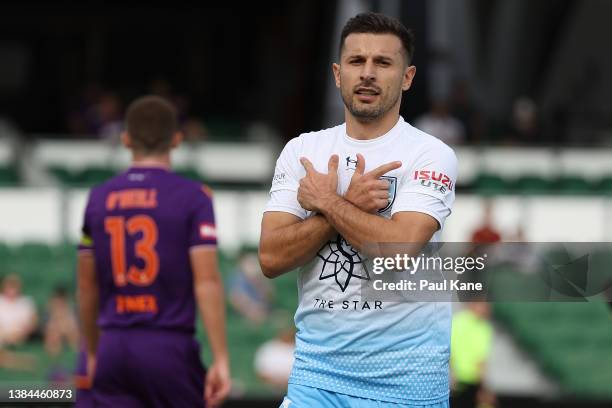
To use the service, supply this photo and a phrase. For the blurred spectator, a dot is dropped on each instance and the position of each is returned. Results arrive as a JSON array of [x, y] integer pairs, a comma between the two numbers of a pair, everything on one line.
[[161, 87], [462, 108], [274, 359], [486, 232], [18, 317], [61, 326], [471, 340], [98, 113], [108, 117], [523, 127], [250, 292], [194, 130], [526, 129], [78, 119], [438, 122]]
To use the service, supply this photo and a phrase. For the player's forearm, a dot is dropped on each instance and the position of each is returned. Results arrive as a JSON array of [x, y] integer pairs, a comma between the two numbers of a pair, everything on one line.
[[87, 298], [286, 248], [360, 228], [88, 314], [209, 294]]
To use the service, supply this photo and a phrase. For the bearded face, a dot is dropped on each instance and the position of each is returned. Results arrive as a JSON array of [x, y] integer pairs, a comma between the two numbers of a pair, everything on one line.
[[372, 74]]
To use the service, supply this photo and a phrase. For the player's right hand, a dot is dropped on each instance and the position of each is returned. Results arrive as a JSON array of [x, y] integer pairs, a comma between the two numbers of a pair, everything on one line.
[[218, 383], [367, 191]]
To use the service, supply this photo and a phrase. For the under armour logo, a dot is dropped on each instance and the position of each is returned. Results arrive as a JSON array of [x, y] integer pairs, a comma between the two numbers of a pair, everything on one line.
[[350, 163]]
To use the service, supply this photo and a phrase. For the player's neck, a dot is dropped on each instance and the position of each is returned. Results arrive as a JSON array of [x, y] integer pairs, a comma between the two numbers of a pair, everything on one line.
[[367, 130], [162, 161]]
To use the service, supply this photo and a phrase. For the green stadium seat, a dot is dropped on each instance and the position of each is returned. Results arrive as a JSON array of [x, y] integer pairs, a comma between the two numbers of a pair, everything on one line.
[[86, 177], [506, 284], [490, 184], [605, 186], [5, 251], [530, 184], [572, 185], [94, 175], [571, 342], [8, 176], [34, 251], [62, 174]]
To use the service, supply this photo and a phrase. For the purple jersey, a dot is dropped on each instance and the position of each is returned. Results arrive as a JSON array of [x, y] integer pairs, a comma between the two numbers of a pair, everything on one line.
[[141, 226]]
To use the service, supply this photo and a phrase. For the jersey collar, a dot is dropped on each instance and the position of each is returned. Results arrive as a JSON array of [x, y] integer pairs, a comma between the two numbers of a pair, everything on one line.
[[394, 131]]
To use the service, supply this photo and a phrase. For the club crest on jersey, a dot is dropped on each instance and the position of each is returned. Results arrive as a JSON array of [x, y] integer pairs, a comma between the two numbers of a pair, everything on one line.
[[341, 262], [208, 231], [392, 192]]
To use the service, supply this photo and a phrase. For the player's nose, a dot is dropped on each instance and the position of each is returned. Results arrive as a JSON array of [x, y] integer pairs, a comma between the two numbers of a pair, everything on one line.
[[368, 71]]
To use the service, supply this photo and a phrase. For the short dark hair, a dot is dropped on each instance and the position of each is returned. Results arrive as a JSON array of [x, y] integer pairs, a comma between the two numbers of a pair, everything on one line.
[[375, 23], [151, 122]]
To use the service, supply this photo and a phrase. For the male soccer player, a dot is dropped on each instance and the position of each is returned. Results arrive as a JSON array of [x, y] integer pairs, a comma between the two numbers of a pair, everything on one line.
[[148, 255], [373, 179]]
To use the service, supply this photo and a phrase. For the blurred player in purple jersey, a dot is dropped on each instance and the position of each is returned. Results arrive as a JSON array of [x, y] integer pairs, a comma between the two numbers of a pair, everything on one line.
[[147, 259]]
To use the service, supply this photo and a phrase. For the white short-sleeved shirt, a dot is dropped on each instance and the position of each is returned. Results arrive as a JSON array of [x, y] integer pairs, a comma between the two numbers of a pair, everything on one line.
[[15, 314], [397, 353]]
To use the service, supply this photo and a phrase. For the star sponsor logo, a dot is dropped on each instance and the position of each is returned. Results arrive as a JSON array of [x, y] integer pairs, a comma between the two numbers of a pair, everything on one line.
[[208, 231], [341, 262]]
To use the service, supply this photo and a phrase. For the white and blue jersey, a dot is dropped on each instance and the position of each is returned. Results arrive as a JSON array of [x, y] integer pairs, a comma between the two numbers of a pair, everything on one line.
[[379, 350]]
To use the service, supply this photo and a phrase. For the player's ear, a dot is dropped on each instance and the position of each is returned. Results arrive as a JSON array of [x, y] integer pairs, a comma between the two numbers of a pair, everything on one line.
[[336, 70], [176, 139], [409, 74], [125, 139]]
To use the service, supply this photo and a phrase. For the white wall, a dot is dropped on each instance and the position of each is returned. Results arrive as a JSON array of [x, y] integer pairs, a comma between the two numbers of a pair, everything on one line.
[[30, 215]]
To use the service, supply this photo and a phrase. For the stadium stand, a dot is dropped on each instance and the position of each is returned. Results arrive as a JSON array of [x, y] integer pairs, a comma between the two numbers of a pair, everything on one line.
[[572, 342], [485, 171]]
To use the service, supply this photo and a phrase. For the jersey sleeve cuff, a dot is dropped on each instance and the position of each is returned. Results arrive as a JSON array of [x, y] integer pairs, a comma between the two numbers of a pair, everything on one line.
[[432, 214], [291, 210]]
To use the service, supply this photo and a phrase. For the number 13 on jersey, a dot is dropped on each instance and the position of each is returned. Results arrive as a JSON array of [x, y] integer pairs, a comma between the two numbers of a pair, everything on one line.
[[144, 248]]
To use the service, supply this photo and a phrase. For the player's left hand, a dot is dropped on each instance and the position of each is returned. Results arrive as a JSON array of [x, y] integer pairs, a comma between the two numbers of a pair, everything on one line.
[[218, 383], [315, 187]]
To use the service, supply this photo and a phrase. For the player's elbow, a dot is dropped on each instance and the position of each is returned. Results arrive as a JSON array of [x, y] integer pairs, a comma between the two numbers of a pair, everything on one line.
[[270, 265]]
